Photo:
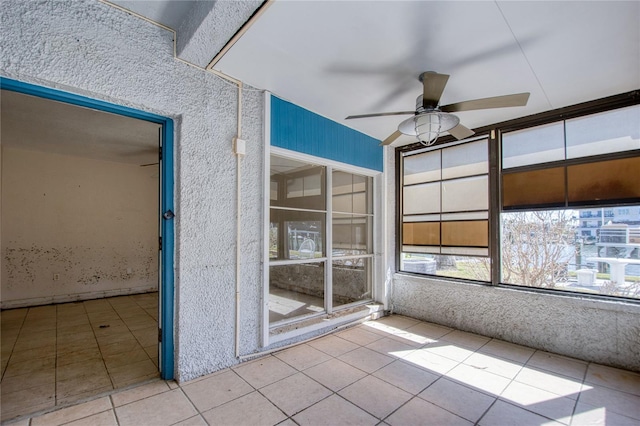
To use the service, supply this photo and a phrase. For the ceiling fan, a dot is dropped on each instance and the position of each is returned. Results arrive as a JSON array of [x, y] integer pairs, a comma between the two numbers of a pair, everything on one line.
[[430, 119]]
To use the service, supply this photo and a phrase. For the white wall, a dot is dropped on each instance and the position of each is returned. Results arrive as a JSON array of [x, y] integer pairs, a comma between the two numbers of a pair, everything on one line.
[[92, 49], [92, 223]]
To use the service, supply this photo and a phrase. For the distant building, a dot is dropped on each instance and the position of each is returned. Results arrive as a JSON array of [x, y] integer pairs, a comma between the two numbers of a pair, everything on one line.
[[592, 219]]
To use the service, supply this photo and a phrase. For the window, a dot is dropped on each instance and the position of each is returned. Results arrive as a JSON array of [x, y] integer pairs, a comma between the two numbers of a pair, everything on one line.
[[565, 214], [445, 203], [320, 239]]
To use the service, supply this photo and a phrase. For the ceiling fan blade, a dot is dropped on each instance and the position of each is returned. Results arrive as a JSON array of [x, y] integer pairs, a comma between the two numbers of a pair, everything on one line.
[[380, 114], [395, 135], [432, 87], [461, 132], [519, 99]]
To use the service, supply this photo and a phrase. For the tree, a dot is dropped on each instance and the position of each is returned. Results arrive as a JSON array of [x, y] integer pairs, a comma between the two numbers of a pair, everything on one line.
[[536, 247]]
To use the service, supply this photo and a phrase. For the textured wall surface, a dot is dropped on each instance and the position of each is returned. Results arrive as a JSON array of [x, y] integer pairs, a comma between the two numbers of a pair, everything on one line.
[[599, 331], [92, 49], [76, 228]]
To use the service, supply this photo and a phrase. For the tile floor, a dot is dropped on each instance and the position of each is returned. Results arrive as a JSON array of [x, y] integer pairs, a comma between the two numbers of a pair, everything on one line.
[[394, 371], [58, 354]]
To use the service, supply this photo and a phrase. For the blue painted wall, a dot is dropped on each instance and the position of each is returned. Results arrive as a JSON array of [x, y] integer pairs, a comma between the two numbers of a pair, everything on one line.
[[298, 129]]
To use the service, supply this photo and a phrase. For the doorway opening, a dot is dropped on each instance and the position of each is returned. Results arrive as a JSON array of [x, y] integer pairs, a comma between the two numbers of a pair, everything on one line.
[[87, 289]]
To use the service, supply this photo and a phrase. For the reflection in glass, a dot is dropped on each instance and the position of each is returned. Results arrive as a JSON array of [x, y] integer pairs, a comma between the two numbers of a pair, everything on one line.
[[420, 168], [465, 160], [351, 280], [295, 290], [351, 193], [296, 234], [350, 235]]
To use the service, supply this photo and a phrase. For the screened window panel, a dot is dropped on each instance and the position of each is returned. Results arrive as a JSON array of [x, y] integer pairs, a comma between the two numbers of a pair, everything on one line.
[[361, 202], [466, 194], [306, 281], [534, 188], [420, 168], [273, 192], [604, 133], [536, 145], [473, 233], [298, 234], [342, 182], [419, 199], [613, 180], [351, 280], [351, 235], [342, 203], [421, 233], [295, 187], [465, 160]]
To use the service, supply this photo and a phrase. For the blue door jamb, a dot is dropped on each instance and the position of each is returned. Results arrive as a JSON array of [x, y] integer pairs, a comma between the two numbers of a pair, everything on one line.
[[167, 227]]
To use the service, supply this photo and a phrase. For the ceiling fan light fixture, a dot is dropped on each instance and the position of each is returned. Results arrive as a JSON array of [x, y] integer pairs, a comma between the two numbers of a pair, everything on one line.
[[427, 126]]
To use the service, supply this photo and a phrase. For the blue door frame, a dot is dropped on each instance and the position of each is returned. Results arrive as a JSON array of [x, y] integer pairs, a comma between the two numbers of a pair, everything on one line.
[[166, 228]]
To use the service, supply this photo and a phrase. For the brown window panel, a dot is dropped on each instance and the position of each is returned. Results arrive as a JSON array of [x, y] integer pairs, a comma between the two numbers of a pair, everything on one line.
[[534, 188], [612, 180], [421, 233], [471, 233]]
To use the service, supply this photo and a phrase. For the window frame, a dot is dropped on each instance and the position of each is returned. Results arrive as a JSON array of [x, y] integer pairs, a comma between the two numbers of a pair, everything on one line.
[[494, 135], [327, 259]]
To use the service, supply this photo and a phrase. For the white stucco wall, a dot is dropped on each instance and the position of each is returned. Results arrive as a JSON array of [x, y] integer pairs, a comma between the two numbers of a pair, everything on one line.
[[92, 49], [93, 224], [606, 332]]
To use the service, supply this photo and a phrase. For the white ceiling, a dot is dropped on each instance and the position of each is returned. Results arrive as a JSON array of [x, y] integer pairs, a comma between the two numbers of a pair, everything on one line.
[[340, 58], [38, 124]]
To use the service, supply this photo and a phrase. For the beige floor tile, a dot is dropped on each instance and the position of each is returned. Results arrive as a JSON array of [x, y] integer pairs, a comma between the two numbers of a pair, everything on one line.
[[333, 345], [479, 379], [295, 393], [129, 373], [139, 392], [618, 402], [302, 357], [558, 364], [109, 328], [74, 335], [406, 377], [82, 385], [120, 347], [366, 359], [251, 409], [90, 354], [147, 336], [375, 396], [420, 412], [468, 340], [264, 371], [335, 374], [458, 399], [75, 412], [33, 354], [430, 362], [66, 400], [495, 365], [551, 382], [613, 378], [334, 411], [599, 416], [391, 347], [163, 409], [448, 350], [13, 314], [506, 350], [429, 330], [125, 358], [502, 414], [31, 341], [398, 321], [93, 367], [27, 401], [29, 380], [193, 421], [78, 346], [539, 401], [17, 367], [216, 390], [106, 418], [359, 336]]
